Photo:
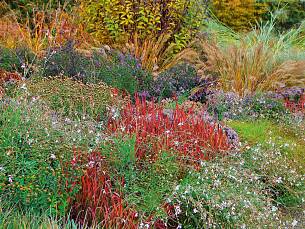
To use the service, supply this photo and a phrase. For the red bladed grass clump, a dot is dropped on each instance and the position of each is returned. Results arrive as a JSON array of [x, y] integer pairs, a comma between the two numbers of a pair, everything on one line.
[[157, 129], [98, 201], [294, 106]]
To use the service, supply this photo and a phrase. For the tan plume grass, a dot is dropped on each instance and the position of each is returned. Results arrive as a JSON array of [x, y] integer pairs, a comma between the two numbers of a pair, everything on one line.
[[245, 69]]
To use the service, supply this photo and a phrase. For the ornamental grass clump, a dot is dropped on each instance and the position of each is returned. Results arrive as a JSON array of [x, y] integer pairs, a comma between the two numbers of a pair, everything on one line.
[[294, 99], [259, 61], [246, 70], [100, 201], [182, 132]]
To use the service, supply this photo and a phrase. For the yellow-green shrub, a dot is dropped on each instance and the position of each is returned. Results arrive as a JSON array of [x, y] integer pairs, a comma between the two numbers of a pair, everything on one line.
[[118, 21], [238, 14]]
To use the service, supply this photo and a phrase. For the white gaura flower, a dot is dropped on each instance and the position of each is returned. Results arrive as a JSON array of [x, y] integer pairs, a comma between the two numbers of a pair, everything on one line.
[[279, 180], [177, 210], [23, 86], [294, 223], [53, 157]]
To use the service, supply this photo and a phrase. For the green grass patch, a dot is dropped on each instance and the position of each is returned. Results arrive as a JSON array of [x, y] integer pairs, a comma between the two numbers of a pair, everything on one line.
[[266, 132]]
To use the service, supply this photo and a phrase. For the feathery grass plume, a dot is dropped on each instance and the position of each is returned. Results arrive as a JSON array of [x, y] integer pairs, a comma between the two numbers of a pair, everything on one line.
[[150, 51], [258, 61], [246, 70]]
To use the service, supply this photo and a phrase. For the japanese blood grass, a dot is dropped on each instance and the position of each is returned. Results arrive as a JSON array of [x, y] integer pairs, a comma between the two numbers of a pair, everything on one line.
[[157, 129], [101, 198]]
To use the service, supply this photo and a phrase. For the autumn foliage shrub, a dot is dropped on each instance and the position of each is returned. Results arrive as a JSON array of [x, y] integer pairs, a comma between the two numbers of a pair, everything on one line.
[[182, 132], [116, 20], [152, 31], [238, 14]]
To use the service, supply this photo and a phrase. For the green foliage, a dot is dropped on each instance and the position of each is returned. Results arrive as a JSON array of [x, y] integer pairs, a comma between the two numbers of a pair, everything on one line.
[[12, 218], [8, 61], [121, 71], [148, 188], [262, 131], [72, 98], [117, 21], [176, 81], [26, 8], [19, 59], [30, 177], [65, 61], [289, 13]]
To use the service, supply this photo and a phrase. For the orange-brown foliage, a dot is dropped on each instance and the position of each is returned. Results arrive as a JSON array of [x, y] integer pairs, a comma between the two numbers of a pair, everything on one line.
[[6, 76]]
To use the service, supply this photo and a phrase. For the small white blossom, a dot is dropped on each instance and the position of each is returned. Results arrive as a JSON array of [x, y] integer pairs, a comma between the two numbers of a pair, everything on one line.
[[294, 223], [279, 180], [177, 210], [23, 86]]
